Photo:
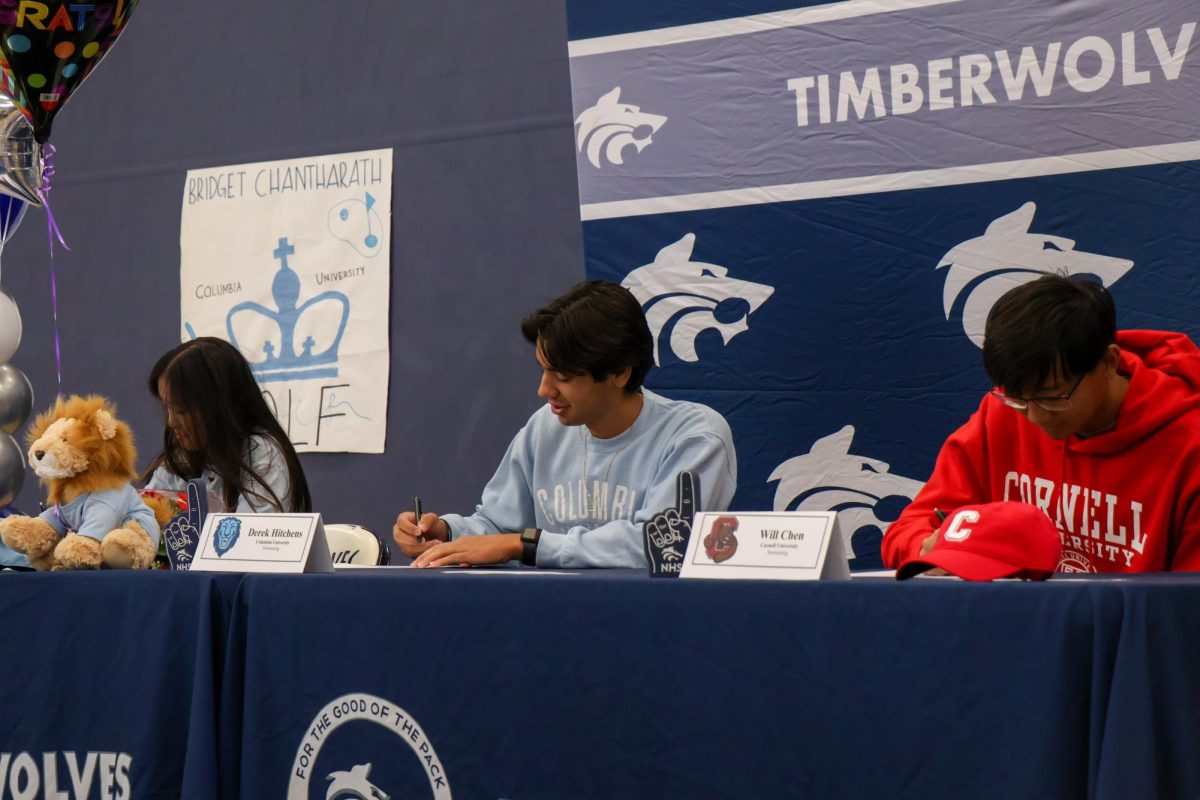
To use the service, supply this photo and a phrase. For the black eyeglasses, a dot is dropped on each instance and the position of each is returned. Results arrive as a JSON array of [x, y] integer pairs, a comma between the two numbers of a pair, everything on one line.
[[1055, 403]]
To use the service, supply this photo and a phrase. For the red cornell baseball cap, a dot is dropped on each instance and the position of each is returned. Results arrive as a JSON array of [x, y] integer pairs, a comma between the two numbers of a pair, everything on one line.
[[992, 540]]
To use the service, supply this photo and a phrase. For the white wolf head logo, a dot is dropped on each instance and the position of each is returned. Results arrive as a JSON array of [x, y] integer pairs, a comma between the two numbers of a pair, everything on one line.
[[354, 784], [1007, 256], [866, 496], [611, 126], [695, 296]]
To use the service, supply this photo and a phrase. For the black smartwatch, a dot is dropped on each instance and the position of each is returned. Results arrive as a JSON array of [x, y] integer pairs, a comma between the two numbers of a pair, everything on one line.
[[529, 543]]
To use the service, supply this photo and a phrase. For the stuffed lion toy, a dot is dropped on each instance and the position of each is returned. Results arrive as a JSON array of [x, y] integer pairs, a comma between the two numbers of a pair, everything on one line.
[[94, 517]]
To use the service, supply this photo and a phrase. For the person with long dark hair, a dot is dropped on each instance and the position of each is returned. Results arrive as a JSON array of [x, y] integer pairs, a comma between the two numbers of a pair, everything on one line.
[[219, 427]]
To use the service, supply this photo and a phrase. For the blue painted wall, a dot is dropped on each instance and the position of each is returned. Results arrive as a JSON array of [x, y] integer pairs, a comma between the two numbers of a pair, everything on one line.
[[475, 99]]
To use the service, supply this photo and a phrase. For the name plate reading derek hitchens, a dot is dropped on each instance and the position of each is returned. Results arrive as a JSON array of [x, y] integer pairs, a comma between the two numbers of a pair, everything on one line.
[[263, 543], [766, 545]]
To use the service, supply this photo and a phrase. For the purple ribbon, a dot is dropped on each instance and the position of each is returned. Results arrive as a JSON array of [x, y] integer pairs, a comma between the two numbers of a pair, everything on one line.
[[52, 231], [61, 520]]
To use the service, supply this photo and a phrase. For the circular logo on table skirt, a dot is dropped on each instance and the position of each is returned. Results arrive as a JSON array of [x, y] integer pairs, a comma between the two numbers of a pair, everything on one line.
[[353, 782]]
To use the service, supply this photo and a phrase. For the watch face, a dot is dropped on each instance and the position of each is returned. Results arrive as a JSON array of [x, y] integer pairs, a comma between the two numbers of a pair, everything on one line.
[[530, 535]]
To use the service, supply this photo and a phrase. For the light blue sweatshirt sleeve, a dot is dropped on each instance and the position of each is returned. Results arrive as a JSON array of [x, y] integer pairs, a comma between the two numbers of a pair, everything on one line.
[[163, 480], [267, 460], [619, 543], [507, 502]]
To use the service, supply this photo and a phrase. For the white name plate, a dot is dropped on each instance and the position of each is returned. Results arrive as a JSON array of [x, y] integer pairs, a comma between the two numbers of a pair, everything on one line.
[[766, 545], [263, 543]]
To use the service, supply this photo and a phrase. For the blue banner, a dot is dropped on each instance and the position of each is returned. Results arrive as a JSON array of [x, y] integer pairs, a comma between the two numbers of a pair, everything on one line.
[[818, 206]]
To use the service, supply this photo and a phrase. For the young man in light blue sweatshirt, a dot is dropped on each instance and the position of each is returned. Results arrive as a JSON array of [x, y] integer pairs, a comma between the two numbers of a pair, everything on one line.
[[599, 459]]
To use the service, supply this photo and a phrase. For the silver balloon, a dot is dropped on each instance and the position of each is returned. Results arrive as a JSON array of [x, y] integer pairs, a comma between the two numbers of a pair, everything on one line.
[[10, 326], [16, 398], [12, 469], [21, 165]]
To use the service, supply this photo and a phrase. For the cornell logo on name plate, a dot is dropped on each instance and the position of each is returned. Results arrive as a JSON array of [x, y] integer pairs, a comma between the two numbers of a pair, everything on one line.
[[721, 542], [354, 782]]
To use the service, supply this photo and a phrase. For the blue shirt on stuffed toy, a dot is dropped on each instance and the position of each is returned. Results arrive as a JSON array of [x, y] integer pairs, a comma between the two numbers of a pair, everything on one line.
[[96, 514]]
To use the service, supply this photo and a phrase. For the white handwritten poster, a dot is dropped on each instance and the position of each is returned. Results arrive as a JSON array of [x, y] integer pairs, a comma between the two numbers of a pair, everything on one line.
[[289, 261]]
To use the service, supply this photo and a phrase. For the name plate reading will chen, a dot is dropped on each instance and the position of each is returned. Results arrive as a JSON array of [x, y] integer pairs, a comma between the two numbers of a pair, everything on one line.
[[263, 543], [766, 545]]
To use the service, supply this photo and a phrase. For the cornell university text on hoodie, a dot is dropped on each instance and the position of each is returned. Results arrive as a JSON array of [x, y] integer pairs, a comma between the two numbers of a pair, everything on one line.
[[1126, 500]]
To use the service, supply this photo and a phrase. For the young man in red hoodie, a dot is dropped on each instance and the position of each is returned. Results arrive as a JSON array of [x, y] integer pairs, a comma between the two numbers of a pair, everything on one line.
[[1098, 429]]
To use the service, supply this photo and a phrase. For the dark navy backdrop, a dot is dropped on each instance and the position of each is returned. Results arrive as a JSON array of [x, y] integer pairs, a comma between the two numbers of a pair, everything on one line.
[[856, 334], [825, 299]]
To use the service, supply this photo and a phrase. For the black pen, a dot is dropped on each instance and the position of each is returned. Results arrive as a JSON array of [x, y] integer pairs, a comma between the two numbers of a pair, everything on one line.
[[941, 515], [417, 511]]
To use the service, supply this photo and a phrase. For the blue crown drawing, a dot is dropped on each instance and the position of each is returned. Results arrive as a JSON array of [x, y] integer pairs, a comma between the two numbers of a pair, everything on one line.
[[287, 365]]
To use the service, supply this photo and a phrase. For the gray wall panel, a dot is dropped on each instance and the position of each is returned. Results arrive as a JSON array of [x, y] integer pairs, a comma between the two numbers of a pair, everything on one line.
[[474, 97]]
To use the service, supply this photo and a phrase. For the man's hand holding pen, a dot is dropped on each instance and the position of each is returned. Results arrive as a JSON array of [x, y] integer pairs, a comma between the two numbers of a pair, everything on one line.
[[415, 536]]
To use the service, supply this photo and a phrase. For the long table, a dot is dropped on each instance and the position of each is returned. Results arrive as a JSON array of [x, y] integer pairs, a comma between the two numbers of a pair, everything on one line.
[[107, 683], [497, 683]]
